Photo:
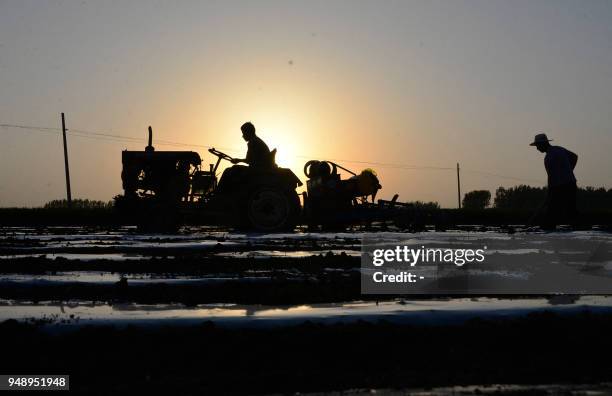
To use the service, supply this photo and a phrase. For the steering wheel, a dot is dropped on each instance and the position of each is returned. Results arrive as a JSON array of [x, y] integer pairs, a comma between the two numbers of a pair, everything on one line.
[[219, 154]]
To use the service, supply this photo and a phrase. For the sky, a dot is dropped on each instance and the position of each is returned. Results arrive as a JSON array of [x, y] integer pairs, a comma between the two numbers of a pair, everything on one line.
[[408, 88]]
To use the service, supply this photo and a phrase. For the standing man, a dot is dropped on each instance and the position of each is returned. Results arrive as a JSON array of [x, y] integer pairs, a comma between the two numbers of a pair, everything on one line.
[[258, 154], [559, 163]]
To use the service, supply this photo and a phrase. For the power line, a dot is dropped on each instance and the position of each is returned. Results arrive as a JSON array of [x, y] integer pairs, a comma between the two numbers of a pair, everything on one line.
[[30, 127], [157, 141], [384, 164], [502, 176], [128, 139], [133, 139], [99, 135], [108, 137]]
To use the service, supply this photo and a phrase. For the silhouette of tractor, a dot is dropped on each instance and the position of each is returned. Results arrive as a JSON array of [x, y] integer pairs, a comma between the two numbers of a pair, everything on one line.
[[163, 189]]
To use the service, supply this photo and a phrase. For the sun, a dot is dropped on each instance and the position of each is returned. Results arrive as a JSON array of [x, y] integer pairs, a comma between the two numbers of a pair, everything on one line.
[[287, 144], [285, 155]]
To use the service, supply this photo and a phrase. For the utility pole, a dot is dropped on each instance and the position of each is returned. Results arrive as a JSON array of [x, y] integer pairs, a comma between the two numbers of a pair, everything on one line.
[[68, 194], [458, 188]]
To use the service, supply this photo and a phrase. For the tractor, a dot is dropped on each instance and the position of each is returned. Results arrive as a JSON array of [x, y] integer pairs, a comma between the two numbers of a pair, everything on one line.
[[164, 189]]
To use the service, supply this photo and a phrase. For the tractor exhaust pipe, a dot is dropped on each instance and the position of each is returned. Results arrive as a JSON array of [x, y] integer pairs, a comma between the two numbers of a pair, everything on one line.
[[150, 146]]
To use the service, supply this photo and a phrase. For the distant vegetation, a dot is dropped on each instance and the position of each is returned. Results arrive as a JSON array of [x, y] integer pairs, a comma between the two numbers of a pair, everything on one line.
[[530, 198], [56, 213], [478, 199], [425, 205], [594, 198], [78, 204], [520, 197]]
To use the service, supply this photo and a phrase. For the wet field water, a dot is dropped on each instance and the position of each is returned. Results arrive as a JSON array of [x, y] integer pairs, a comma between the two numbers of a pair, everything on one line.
[[424, 312], [75, 274], [225, 312]]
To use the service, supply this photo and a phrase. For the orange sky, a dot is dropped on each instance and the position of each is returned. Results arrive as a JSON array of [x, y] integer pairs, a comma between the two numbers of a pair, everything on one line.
[[414, 83]]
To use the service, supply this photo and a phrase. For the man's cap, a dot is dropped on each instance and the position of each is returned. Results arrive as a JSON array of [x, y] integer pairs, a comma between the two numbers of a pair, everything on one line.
[[540, 138]]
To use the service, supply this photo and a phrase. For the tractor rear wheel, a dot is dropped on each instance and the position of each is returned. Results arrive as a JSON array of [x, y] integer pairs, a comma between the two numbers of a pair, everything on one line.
[[272, 209]]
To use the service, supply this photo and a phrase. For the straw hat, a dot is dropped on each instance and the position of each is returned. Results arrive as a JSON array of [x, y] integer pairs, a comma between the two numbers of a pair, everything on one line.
[[540, 138]]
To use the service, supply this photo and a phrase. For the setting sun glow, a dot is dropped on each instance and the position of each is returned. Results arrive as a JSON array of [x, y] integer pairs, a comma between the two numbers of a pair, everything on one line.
[[410, 93]]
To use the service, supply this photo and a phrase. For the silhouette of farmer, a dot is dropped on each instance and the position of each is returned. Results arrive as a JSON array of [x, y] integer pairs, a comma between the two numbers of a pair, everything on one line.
[[559, 163], [258, 157], [258, 154]]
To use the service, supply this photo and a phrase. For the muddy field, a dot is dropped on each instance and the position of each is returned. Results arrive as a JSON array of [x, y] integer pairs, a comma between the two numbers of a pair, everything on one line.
[[203, 265], [233, 313]]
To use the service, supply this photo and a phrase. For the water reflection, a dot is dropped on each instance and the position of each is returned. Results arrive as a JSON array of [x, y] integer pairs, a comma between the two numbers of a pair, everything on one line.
[[396, 310]]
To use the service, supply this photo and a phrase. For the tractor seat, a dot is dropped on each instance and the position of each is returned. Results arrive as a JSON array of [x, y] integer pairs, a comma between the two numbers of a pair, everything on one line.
[[273, 157]]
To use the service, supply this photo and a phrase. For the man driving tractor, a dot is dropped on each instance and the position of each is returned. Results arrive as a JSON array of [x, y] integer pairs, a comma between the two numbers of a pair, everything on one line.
[[258, 154], [258, 157]]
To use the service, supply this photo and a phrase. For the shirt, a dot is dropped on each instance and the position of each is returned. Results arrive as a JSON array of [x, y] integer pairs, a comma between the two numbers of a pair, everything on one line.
[[258, 153], [560, 164]]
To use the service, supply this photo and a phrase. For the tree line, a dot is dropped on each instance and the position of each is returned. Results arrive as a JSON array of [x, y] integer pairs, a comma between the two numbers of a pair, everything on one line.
[[525, 197], [79, 204]]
